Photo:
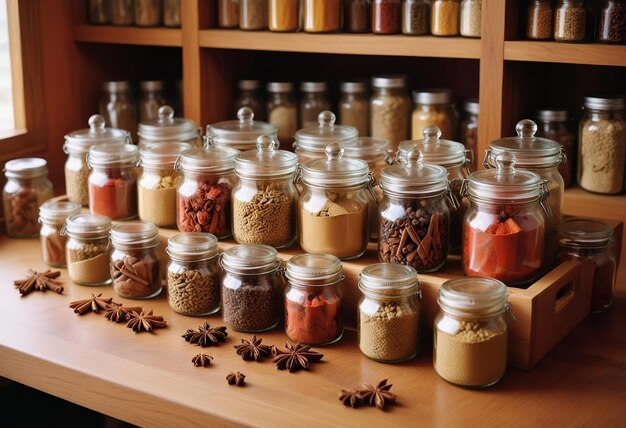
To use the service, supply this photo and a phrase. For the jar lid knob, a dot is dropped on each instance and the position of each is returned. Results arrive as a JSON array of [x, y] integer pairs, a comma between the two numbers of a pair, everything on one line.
[[165, 114], [245, 115], [266, 143], [96, 123], [326, 118], [505, 163], [334, 151], [526, 129], [414, 158], [431, 133]]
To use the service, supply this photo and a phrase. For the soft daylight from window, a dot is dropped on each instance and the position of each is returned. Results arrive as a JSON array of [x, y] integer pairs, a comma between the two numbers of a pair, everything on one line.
[[6, 93]]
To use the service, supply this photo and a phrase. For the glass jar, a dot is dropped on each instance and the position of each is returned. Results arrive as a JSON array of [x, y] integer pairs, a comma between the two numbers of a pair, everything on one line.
[[444, 19], [322, 16], [26, 189], [589, 239], [112, 181], [612, 25], [118, 106], [282, 111], [87, 249], [251, 288], [470, 333], [99, 12], [171, 13], [240, 134], [354, 106], [193, 277], [52, 216], [570, 19], [167, 128], [602, 144], [204, 196], [415, 214], [471, 18], [313, 101], [148, 13], [434, 107], [249, 95], [265, 198], [469, 129], [539, 23], [356, 16], [389, 312], [554, 125], [416, 17], [284, 15], [151, 99], [122, 12], [311, 142], [135, 264], [390, 110], [253, 14], [228, 13], [313, 299], [386, 16], [504, 227]]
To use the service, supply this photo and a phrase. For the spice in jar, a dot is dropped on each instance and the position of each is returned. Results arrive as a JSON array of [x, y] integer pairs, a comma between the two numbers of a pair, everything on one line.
[[539, 23], [354, 106], [122, 12], [171, 13], [147, 13], [322, 16], [390, 110], [553, 124], [570, 19], [284, 15], [282, 111], [228, 13], [356, 16], [52, 216], [612, 25], [416, 17], [99, 12], [469, 129], [386, 16], [87, 249], [471, 18], [434, 107], [444, 19], [313, 101], [253, 14]]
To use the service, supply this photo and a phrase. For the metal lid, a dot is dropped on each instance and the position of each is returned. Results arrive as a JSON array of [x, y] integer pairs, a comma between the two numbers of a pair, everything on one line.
[[162, 155], [151, 85], [279, 86], [336, 170], [471, 106], [353, 87], [116, 86], [137, 233], [432, 96], [106, 154], [316, 138], [389, 81], [58, 211], [414, 177], [26, 168], [93, 225], [266, 161], [195, 245], [585, 232], [241, 134], [435, 150], [313, 86], [211, 159], [248, 84], [389, 279], [605, 101], [314, 269], [166, 127], [552, 115], [250, 258], [79, 141], [475, 295], [367, 149]]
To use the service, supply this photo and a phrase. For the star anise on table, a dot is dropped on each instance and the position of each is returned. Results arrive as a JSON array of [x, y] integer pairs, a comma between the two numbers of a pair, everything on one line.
[[237, 379], [40, 281], [206, 335], [95, 303], [143, 320], [201, 360], [253, 349], [352, 397], [119, 313], [379, 395], [294, 357]]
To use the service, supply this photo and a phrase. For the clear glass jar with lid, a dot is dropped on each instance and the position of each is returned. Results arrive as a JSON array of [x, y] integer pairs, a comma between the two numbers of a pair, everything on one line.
[[357, 16], [228, 13], [322, 16], [311, 142], [313, 101], [282, 111], [471, 18], [204, 196], [264, 200], [390, 109], [539, 23], [148, 13], [284, 15], [26, 189], [416, 17], [151, 99], [354, 106], [193, 276], [444, 18], [171, 13], [313, 299], [253, 14], [122, 12], [99, 12], [553, 124], [415, 214], [469, 129], [87, 249], [570, 21], [240, 134], [434, 106], [389, 312], [333, 214], [135, 263], [470, 332], [167, 128], [52, 216], [612, 22], [249, 95], [504, 226], [119, 107], [251, 288]]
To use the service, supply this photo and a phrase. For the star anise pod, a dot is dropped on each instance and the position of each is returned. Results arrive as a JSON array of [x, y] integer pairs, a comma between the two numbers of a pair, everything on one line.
[[119, 313], [206, 335], [95, 303], [351, 397], [145, 321], [295, 357], [40, 281], [253, 349], [379, 395], [237, 379], [201, 360]]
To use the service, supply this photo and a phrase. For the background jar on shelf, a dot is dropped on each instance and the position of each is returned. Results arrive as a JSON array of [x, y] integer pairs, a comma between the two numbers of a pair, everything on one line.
[[444, 18], [471, 18], [151, 99], [390, 109], [322, 16], [434, 107], [119, 107], [554, 125], [357, 16], [249, 95], [148, 13], [122, 12], [228, 13], [386, 16], [282, 111], [313, 101], [570, 21], [416, 17], [167, 128], [539, 22], [284, 15], [171, 13], [612, 22], [240, 134], [354, 106], [99, 11], [253, 14], [87, 249], [52, 216], [469, 129]]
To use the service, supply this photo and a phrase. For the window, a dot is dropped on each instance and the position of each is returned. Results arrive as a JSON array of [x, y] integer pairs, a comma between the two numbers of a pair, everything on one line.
[[7, 121]]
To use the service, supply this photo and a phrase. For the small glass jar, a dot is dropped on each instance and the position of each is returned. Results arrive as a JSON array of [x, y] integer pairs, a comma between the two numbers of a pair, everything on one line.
[[99, 12], [52, 216], [118, 106], [282, 111], [167, 128], [171, 13], [251, 288], [313, 299], [135, 264], [193, 276], [386, 16], [354, 106], [284, 15], [389, 312], [471, 18], [570, 20], [264, 200], [589, 239], [333, 214], [470, 334], [539, 23], [612, 25], [434, 107], [469, 130], [504, 226], [112, 181], [554, 125], [390, 109], [313, 101], [322, 16], [148, 13], [311, 142], [26, 189], [204, 196], [87, 249], [416, 17], [356, 16], [602, 144], [253, 14], [240, 134], [249, 95], [122, 12], [151, 99], [228, 13], [444, 19]]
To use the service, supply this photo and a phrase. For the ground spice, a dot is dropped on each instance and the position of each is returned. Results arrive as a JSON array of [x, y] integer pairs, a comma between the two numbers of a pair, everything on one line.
[[322, 16], [569, 23], [207, 209], [147, 13], [389, 334], [250, 304], [612, 26], [157, 205], [76, 185], [89, 264], [193, 291], [228, 13], [602, 154], [356, 16], [539, 23], [424, 116], [116, 198], [386, 16], [284, 15], [253, 14], [416, 17], [312, 317], [354, 110], [444, 20], [471, 18], [21, 213], [390, 119]]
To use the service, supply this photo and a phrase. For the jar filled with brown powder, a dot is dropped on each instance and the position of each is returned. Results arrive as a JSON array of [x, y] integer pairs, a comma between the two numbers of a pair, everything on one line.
[[87, 249]]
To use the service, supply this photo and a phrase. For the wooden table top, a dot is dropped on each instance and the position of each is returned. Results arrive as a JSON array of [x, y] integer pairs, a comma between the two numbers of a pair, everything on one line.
[[149, 380]]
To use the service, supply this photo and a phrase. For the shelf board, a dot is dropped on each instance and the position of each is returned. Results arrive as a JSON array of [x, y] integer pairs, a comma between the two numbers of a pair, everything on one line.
[[128, 35], [566, 53], [581, 202], [343, 43]]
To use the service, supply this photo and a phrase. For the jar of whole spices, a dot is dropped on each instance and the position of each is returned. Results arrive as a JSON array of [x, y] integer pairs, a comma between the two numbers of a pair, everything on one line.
[[148, 13], [52, 216], [589, 239], [539, 23], [436, 107], [354, 106], [389, 312], [135, 264], [504, 227], [570, 20], [205, 193], [118, 106], [249, 95], [193, 276], [282, 111], [470, 333], [167, 128], [311, 142], [253, 14], [554, 125], [390, 109], [386, 16], [151, 99], [240, 134], [122, 12], [228, 13], [99, 12], [284, 15], [416, 17], [251, 288], [322, 16], [313, 101], [612, 25], [264, 200], [415, 214], [444, 19], [313, 299], [469, 129], [471, 18], [87, 249], [602, 144], [26, 189], [171, 13], [356, 16]]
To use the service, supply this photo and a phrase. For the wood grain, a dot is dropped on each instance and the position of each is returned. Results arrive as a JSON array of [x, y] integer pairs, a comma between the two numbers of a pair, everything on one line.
[[566, 53]]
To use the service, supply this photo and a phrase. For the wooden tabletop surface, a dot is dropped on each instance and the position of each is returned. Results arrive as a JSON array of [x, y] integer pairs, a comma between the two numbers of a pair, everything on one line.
[[149, 380]]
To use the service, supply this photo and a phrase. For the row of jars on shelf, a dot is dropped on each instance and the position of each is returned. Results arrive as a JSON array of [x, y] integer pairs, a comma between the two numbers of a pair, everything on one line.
[[142, 13]]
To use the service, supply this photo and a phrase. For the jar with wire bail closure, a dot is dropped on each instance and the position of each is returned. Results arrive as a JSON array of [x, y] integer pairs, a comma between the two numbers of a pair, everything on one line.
[[311, 142], [167, 128], [240, 134]]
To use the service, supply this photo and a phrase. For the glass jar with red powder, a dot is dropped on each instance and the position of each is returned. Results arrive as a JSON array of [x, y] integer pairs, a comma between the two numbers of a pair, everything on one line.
[[386, 16]]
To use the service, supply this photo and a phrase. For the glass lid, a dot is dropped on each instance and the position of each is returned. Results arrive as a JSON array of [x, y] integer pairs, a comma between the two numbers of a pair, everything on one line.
[[167, 127], [388, 276], [318, 267], [207, 159], [26, 168], [434, 149], [241, 133], [196, 244], [162, 154], [88, 223], [316, 138], [244, 258], [335, 170], [266, 161], [480, 295], [79, 141], [585, 232], [414, 175], [58, 210], [367, 148], [112, 153]]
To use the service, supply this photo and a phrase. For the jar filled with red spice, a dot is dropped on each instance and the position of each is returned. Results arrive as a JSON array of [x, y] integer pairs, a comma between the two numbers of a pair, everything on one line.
[[313, 299], [386, 16]]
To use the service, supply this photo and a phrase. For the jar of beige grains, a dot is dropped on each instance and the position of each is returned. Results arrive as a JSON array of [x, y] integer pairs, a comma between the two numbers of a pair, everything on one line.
[[390, 109]]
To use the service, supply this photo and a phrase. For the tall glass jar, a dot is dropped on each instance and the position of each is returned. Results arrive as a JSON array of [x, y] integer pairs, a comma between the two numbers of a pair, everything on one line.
[[282, 111], [193, 276], [356, 16], [416, 17], [570, 20], [135, 264], [469, 129], [470, 333], [251, 288], [354, 106], [284, 15], [322, 16], [118, 106], [264, 200], [386, 16], [167, 128], [602, 144], [612, 23], [311, 142], [415, 214], [539, 23], [554, 125], [52, 216], [471, 18], [434, 107], [253, 14], [389, 312], [228, 13], [171, 13], [112, 181], [390, 109], [313, 101], [204, 196], [151, 99], [148, 13], [122, 12], [87, 249], [240, 134], [249, 95], [333, 214], [99, 12], [26, 189], [444, 19], [313, 299]]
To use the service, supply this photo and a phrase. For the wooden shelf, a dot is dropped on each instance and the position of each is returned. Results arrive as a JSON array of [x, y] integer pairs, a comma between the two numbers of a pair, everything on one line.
[[566, 53], [128, 35]]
